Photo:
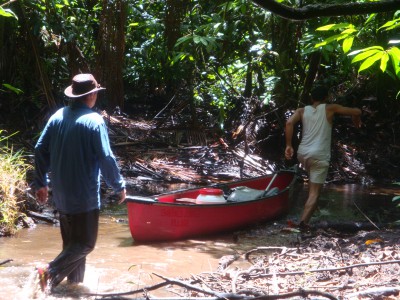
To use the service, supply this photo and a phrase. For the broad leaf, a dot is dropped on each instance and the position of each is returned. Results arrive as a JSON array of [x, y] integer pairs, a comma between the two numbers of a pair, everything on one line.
[[394, 53], [331, 39], [370, 61], [347, 43], [384, 61], [7, 13], [366, 49], [334, 26], [390, 25], [364, 55]]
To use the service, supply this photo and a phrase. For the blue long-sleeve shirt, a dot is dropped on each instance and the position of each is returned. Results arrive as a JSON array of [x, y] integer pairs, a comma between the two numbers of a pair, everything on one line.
[[74, 148]]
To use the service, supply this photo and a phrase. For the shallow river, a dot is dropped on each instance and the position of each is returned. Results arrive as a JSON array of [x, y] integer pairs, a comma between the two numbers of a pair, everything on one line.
[[118, 264]]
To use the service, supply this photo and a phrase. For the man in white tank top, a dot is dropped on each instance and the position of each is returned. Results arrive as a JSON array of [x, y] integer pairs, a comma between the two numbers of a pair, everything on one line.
[[314, 151]]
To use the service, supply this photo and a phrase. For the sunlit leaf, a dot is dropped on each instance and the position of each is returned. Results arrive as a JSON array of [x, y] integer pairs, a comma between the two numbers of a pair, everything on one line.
[[334, 26], [331, 39], [394, 53], [384, 61], [349, 31], [366, 49], [347, 43], [370, 61], [390, 25], [7, 13], [370, 18], [396, 198], [364, 55]]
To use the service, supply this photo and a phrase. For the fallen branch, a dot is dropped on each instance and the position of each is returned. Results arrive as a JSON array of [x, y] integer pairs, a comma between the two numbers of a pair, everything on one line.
[[215, 295], [5, 261], [332, 269], [42, 217], [376, 293]]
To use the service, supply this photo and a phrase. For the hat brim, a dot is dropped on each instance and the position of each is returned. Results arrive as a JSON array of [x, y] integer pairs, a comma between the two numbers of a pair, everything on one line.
[[68, 92]]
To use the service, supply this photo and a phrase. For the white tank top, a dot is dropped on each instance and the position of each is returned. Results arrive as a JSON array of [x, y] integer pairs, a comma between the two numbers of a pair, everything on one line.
[[316, 134]]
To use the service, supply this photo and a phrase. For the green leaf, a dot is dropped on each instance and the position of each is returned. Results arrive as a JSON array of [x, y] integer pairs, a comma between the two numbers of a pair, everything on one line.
[[183, 39], [347, 43], [366, 49], [364, 55], [390, 25], [384, 61], [370, 18], [396, 198], [349, 31], [394, 53], [331, 39], [196, 39], [334, 26], [7, 13], [370, 61], [12, 88]]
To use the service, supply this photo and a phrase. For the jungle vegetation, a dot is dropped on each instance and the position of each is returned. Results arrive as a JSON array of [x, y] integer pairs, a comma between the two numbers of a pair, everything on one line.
[[227, 59]]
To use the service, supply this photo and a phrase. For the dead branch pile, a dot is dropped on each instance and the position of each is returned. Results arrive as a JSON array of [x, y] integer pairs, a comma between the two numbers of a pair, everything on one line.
[[180, 155], [326, 266]]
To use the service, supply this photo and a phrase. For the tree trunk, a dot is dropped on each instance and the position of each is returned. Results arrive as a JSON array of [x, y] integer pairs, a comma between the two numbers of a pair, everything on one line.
[[111, 51], [313, 66]]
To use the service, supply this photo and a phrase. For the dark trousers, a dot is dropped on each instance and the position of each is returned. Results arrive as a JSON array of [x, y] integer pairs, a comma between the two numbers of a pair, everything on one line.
[[79, 235]]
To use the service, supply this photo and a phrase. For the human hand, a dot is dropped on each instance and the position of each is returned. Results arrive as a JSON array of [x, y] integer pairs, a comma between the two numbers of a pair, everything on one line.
[[122, 196], [289, 152], [42, 195]]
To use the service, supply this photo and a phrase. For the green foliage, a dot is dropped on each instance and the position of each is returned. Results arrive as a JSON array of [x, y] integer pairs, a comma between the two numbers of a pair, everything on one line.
[[371, 56], [347, 35], [12, 184], [7, 13]]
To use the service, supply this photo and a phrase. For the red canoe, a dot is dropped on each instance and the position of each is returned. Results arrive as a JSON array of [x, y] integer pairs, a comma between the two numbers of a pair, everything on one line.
[[175, 215]]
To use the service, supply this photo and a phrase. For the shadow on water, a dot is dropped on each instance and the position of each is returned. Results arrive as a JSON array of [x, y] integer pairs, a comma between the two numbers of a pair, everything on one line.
[[119, 264]]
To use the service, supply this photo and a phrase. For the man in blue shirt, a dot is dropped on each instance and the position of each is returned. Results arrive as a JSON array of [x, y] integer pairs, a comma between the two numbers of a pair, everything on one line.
[[74, 149]]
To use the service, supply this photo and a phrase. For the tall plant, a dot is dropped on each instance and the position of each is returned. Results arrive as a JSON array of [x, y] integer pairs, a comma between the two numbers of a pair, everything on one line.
[[12, 185]]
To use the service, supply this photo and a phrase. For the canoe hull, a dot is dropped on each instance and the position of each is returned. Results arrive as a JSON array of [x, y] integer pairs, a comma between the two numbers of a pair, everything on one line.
[[165, 219]]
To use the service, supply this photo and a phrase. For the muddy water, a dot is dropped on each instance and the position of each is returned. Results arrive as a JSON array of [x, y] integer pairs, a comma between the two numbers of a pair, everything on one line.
[[118, 264]]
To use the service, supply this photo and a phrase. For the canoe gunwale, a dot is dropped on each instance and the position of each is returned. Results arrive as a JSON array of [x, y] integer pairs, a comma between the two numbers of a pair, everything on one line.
[[153, 200]]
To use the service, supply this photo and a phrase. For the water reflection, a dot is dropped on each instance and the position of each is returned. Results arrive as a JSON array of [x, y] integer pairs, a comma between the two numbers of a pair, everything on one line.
[[118, 264]]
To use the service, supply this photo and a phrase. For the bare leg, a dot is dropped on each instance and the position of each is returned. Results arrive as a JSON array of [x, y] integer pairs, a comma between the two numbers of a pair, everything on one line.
[[314, 190]]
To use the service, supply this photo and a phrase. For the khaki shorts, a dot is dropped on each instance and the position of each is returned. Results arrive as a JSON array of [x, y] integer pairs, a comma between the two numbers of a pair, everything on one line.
[[317, 169]]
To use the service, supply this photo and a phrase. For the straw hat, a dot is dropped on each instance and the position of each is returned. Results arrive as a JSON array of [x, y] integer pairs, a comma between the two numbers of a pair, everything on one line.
[[82, 84]]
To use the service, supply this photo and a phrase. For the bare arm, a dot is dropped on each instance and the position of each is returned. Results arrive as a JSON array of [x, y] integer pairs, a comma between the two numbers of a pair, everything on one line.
[[289, 128], [355, 113]]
